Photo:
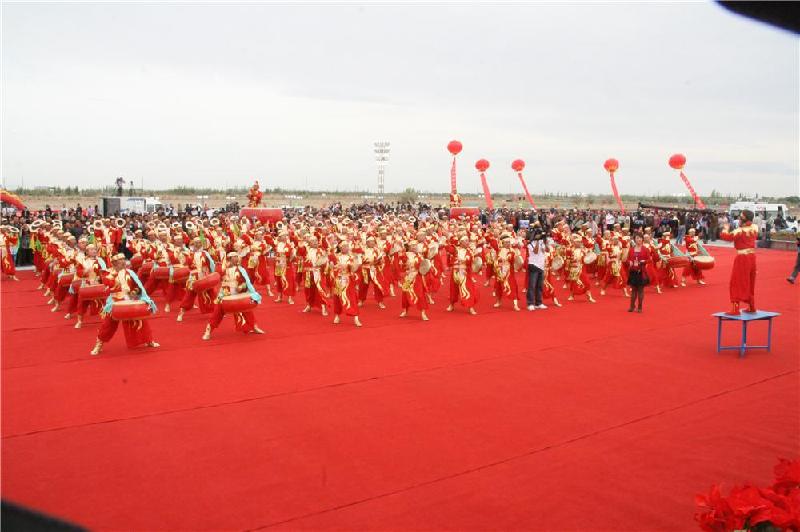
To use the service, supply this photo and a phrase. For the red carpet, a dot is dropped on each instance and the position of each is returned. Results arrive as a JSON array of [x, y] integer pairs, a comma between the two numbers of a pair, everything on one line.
[[584, 417]]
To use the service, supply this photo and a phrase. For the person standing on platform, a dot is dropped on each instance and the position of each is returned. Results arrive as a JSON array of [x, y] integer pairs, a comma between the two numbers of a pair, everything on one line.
[[743, 275], [638, 277]]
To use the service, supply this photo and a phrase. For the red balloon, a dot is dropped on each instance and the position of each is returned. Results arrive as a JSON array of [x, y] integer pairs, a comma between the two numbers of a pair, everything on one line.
[[611, 165], [454, 147], [482, 165], [677, 161], [518, 165]]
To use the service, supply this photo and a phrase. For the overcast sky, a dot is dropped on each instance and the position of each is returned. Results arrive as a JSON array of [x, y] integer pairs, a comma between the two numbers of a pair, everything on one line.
[[215, 95]]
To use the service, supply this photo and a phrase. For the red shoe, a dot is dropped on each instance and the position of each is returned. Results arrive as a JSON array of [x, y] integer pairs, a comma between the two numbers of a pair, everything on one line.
[[734, 311], [751, 307]]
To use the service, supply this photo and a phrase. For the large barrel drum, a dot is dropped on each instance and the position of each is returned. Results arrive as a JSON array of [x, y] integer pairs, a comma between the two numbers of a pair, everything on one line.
[[93, 291], [65, 279], [679, 261], [206, 283], [130, 310], [160, 272], [238, 303], [704, 262], [136, 262], [180, 273]]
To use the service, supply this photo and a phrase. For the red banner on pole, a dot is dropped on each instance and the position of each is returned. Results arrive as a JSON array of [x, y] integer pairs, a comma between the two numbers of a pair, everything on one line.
[[616, 193], [453, 189], [525, 188], [486, 193], [697, 201]]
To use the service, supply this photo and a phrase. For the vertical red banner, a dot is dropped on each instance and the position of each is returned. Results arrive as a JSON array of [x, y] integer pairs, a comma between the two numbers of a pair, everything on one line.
[[697, 201], [486, 193], [525, 188], [453, 189], [616, 193]]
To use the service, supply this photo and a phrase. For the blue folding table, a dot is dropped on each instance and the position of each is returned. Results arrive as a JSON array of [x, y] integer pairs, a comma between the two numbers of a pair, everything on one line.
[[744, 318]]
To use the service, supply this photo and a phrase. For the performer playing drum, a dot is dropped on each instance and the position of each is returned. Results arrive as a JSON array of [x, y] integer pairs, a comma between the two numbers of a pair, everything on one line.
[[125, 288], [235, 285]]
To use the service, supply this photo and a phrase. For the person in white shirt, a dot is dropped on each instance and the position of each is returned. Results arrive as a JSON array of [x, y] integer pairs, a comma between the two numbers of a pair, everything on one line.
[[610, 221], [537, 251]]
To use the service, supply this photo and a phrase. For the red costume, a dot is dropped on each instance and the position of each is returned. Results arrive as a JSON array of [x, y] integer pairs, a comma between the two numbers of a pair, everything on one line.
[[743, 275], [123, 287]]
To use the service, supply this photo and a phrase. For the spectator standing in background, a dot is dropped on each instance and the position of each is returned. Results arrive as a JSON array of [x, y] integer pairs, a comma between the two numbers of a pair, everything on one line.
[[793, 276]]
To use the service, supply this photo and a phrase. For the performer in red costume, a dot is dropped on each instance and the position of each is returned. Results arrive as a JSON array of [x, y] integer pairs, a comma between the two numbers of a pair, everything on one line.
[[344, 267], [463, 287], [413, 267], [743, 275], [201, 264], [314, 261], [234, 281], [694, 249], [124, 285], [9, 238]]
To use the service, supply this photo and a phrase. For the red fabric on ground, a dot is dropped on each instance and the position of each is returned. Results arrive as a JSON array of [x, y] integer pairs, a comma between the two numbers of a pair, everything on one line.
[[580, 417]]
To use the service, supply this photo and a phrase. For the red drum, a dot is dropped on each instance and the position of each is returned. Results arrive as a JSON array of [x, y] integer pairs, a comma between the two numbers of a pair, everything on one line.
[[160, 272], [76, 285], [238, 303], [66, 279], [679, 261], [206, 283], [180, 273], [468, 212], [263, 214], [590, 258], [147, 267], [703, 262], [136, 262], [93, 291], [130, 310]]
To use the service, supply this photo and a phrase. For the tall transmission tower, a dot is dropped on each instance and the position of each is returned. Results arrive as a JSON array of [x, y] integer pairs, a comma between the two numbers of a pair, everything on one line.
[[381, 149]]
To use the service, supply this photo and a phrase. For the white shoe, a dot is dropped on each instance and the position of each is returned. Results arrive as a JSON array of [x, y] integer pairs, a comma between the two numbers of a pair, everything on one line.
[[541, 307], [531, 307]]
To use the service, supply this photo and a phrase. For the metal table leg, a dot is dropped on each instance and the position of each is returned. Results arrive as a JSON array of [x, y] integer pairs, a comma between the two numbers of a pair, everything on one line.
[[744, 339]]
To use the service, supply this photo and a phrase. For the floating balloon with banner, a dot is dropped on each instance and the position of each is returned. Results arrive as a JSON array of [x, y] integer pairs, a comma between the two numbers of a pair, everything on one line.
[[454, 147], [482, 165], [611, 166], [518, 166], [677, 162]]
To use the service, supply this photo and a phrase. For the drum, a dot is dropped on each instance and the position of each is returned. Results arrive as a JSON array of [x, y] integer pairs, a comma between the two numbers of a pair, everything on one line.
[[180, 273], [679, 261], [136, 262], [66, 279], [206, 283], [590, 258], [477, 264], [424, 266], [93, 291], [130, 310], [76, 285], [238, 303], [160, 272], [146, 269], [703, 262], [557, 263]]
